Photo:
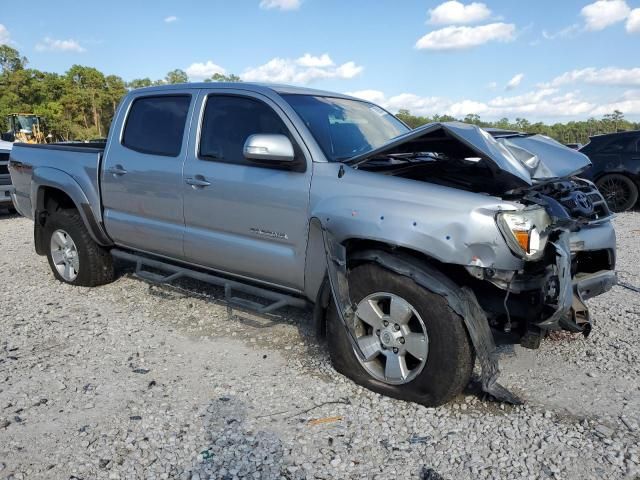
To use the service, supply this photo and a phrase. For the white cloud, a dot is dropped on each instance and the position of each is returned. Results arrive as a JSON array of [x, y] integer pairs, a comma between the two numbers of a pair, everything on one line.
[[457, 38], [416, 104], [633, 22], [567, 32], [519, 101], [171, 19], [515, 81], [53, 45], [303, 70], [492, 85], [629, 103], [280, 4], [457, 13], [598, 76], [374, 96], [541, 103], [5, 38], [201, 71], [603, 13], [308, 60]]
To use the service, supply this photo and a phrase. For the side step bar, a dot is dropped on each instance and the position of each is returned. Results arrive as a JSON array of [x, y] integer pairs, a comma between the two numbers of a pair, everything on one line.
[[174, 272]]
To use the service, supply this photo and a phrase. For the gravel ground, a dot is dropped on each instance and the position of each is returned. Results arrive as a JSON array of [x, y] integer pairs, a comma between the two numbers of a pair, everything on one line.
[[134, 381]]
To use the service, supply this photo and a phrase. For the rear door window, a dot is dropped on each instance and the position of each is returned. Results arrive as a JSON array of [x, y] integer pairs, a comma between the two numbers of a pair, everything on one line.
[[155, 125], [617, 145]]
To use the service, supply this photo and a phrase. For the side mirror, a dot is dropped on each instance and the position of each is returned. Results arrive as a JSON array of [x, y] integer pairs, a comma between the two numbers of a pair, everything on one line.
[[263, 147]]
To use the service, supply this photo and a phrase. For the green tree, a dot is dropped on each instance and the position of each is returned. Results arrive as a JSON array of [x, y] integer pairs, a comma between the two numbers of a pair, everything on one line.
[[10, 59], [473, 118], [176, 76], [139, 83], [88, 87], [219, 77]]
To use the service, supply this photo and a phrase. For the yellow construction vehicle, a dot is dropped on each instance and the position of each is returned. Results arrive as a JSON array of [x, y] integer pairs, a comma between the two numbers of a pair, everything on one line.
[[26, 128]]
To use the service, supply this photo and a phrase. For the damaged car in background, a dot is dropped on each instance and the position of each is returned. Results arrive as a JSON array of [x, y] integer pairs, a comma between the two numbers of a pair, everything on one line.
[[420, 250]]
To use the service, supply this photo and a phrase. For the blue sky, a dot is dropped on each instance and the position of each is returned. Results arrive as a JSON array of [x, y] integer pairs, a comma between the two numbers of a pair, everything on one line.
[[549, 60]]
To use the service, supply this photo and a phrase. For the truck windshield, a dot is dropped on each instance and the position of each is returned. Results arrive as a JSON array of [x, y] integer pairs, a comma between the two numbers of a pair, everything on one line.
[[344, 128]]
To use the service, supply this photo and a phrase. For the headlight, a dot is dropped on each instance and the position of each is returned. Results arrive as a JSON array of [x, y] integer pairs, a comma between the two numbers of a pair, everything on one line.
[[524, 231]]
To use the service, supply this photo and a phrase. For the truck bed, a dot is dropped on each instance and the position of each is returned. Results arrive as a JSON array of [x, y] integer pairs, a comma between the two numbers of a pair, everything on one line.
[[77, 165]]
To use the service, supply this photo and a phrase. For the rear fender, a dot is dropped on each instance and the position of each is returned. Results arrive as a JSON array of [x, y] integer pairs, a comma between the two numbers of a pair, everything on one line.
[[44, 177]]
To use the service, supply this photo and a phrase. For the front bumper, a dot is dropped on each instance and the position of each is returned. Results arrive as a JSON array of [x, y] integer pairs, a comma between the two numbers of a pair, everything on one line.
[[5, 194], [575, 285], [570, 312]]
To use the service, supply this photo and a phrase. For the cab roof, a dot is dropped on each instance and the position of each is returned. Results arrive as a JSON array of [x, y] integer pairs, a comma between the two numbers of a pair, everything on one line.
[[280, 89]]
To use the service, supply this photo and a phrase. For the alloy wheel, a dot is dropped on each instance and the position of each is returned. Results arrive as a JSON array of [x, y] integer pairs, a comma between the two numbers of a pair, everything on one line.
[[393, 338], [64, 254]]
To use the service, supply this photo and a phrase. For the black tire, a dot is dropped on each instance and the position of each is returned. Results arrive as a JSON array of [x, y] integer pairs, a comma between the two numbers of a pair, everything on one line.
[[95, 263], [450, 357], [620, 192], [11, 210]]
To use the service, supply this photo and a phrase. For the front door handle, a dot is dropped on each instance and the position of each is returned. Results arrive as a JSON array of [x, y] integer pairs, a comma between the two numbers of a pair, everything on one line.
[[116, 170], [197, 181]]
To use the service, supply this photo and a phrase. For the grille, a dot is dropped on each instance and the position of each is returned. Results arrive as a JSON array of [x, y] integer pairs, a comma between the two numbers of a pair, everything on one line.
[[4, 163], [600, 208]]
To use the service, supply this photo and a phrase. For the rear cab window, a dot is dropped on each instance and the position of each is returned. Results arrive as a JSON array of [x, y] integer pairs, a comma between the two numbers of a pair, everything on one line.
[[155, 124]]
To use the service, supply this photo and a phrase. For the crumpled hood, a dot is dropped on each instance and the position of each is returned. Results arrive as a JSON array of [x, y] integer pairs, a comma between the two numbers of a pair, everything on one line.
[[524, 159]]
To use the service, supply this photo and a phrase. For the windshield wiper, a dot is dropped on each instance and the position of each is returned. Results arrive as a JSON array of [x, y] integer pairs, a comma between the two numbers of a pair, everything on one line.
[[407, 157]]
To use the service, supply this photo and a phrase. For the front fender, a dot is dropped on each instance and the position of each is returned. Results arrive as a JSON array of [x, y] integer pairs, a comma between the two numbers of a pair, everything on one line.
[[469, 238], [54, 178]]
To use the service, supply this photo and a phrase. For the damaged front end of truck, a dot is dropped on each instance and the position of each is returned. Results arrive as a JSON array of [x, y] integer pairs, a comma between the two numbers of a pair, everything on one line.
[[555, 246]]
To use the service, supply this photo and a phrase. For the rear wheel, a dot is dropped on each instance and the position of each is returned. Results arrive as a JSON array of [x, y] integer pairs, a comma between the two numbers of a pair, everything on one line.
[[620, 192], [73, 256], [416, 348]]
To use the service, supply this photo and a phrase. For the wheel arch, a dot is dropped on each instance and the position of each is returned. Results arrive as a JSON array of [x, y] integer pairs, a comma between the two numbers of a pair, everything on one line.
[[52, 189], [461, 300], [358, 251]]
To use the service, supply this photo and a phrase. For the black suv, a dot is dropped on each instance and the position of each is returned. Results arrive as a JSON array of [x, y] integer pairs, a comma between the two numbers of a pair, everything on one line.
[[616, 167]]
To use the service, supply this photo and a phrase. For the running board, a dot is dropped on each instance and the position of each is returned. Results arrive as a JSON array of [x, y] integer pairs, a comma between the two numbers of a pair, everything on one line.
[[174, 272]]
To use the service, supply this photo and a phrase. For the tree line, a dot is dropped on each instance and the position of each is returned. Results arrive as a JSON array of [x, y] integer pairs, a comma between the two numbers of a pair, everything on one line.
[[76, 105], [80, 103]]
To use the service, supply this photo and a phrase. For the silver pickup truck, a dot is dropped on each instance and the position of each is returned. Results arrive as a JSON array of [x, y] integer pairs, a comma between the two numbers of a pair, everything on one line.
[[420, 250]]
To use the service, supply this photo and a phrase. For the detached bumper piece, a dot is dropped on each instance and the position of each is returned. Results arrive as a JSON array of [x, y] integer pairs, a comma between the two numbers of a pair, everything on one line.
[[571, 313]]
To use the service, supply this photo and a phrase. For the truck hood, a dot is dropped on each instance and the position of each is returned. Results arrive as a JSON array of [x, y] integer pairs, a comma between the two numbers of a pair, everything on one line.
[[523, 159]]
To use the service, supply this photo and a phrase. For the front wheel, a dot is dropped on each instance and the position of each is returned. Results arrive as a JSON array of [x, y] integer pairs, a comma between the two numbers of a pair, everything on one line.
[[620, 192], [416, 348], [73, 256]]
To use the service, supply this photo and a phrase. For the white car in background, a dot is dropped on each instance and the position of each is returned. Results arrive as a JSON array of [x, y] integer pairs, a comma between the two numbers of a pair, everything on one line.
[[5, 178]]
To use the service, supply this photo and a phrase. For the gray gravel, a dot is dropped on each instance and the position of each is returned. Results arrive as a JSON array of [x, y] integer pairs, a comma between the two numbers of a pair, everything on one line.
[[133, 381]]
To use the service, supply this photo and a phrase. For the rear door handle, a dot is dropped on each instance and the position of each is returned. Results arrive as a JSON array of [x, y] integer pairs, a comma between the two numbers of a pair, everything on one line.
[[116, 170], [197, 181]]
